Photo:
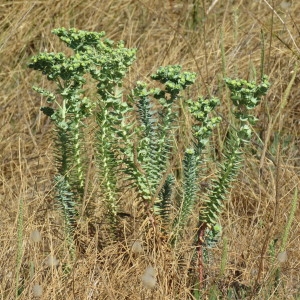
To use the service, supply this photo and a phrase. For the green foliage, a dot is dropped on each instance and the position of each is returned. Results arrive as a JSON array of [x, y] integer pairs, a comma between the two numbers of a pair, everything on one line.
[[68, 109], [79, 40], [174, 80], [107, 64], [146, 150], [203, 122], [111, 134], [189, 191], [113, 130], [245, 96], [220, 186], [163, 206], [65, 201], [135, 134], [57, 66], [157, 113], [202, 128], [213, 235]]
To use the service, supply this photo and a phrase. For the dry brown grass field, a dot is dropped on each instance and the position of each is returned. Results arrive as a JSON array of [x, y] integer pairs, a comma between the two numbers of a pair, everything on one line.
[[212, 38]]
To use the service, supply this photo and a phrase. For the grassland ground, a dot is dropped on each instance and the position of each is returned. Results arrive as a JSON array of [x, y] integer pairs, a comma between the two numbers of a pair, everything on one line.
[[215, 39]]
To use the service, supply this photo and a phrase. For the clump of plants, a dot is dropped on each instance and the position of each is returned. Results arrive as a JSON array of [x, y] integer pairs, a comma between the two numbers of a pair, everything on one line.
[[135, 138]]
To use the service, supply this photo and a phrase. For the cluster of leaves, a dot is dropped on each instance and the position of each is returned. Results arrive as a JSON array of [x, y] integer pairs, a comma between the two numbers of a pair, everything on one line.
[[202, 129], [245, 96], [105, 62], [157, 114], [142, 149], [248, 94]]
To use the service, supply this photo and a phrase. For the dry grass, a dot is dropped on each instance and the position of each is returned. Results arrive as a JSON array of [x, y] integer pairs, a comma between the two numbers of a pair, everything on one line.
[[164, 33]]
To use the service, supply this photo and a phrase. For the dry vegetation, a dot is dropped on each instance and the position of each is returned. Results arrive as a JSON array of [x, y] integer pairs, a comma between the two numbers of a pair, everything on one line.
[[165, 32]]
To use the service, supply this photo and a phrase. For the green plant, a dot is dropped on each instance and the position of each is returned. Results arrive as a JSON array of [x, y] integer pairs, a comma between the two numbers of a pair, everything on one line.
[[245, 96], [135, 136], [202, 129], [107, 64], [68, 109], [157, 120], [111, 64]]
